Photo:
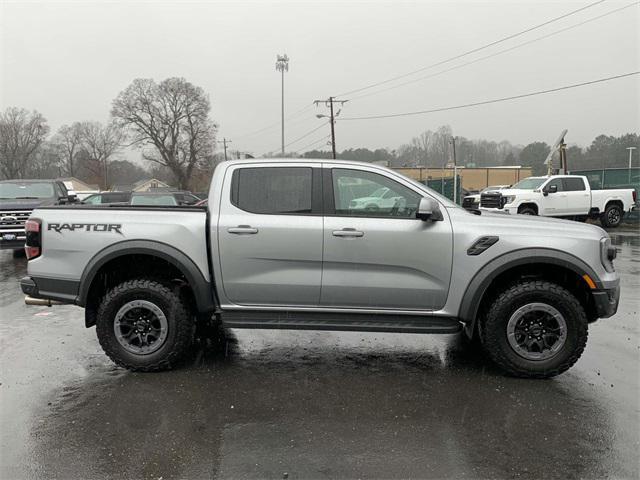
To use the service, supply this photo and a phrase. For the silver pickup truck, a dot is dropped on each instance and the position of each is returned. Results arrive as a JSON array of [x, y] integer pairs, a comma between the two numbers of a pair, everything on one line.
[[286, 244]]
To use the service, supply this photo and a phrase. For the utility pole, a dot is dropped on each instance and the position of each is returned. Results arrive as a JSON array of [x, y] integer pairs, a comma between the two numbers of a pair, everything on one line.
[[455, 171], [332, 119], [224, 142], [282, 65]]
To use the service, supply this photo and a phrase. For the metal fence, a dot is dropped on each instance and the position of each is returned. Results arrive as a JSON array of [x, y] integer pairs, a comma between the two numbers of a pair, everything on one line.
[[445, 187]]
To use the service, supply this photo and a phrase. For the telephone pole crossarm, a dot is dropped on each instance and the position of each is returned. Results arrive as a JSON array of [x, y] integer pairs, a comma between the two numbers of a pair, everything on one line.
[[332, 118]]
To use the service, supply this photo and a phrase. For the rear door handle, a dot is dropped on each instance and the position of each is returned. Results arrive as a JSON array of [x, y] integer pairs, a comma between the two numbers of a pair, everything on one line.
[[348, 232], [243, 230]]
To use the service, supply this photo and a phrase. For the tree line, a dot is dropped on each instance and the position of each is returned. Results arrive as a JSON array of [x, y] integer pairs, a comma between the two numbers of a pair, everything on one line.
[[168, 121], [434, 149]]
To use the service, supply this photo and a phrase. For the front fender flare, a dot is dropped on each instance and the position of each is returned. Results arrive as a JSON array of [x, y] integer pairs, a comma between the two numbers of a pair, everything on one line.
[[481, 281]]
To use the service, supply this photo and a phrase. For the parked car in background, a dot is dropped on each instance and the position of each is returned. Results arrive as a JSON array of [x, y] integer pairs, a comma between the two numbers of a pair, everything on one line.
[[383, 198], [563, 196], [108, 198], [17, 200], [472, 202], [185, 198], [153, 199]]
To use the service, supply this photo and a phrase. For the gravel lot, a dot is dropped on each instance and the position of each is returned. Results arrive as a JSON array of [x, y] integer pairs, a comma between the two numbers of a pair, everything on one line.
[[280, 404]]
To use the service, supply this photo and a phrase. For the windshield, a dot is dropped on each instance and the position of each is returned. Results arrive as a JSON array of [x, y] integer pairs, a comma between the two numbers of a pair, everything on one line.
[[153, 200], [19, 190], [530, 183]]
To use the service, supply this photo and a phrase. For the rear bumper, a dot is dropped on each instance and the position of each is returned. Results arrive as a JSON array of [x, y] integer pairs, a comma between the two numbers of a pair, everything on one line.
[[63, 291], [606, 301]]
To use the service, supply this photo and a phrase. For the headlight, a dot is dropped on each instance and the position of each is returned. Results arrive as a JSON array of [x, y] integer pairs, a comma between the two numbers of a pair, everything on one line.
[[607, 254], [509, 199]]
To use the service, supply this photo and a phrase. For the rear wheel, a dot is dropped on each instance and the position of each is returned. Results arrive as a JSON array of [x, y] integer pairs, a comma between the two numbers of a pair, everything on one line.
[[612, 216], [534, 329], [144, 325]]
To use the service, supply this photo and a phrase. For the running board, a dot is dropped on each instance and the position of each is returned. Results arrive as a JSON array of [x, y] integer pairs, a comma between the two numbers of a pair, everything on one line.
[[355, 322]]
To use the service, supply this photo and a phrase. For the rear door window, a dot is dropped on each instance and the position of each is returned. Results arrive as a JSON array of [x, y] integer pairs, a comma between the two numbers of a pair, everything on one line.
[[573, 184], [273, 190]]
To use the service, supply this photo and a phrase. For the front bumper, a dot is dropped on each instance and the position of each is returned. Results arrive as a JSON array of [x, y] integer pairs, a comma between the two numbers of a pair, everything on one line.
[[606, 301], [10, 241]]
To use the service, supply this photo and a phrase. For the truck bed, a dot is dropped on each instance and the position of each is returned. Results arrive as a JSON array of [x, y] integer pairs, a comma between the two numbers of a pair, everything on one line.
[[74, 234]]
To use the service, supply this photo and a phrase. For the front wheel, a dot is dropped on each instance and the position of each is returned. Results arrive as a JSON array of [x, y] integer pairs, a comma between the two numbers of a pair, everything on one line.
[[534, 329], [612, 216], [527, 211], [143, 325]]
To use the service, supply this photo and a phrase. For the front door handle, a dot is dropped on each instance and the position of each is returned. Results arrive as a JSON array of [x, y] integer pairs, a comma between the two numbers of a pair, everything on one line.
[[243, 230], [348, 232]]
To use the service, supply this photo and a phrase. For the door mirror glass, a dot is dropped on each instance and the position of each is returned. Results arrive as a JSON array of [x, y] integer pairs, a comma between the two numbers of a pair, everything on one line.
[[429, 209]]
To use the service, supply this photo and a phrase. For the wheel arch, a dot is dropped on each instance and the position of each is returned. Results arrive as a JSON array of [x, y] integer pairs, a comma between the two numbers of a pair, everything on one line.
[[200, 287], [518, 261], [529, 204]]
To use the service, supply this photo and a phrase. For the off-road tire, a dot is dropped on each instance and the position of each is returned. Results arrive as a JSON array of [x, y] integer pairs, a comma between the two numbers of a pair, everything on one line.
[[181, 325], [527, 211], [493, 329], [607, 218]]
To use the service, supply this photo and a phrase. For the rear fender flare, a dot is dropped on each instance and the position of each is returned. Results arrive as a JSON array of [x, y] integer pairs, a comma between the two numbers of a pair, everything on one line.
[[202, 289]]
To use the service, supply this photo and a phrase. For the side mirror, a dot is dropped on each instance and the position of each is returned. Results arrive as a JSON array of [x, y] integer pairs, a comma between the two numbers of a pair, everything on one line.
[[429, 209], [72, 198]]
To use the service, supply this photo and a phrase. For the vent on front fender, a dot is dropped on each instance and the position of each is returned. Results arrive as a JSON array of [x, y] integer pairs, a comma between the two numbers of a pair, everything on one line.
[[481, 244]]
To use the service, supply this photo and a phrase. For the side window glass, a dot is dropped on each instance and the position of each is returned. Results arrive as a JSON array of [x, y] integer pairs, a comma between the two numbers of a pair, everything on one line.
[[360, 193], [573, 184], [557, 182], [93, 200], [273, 190]]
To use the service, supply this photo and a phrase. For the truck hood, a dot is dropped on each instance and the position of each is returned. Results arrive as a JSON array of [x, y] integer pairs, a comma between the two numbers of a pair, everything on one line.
[[512, 191], [25, 204], [530, 225]]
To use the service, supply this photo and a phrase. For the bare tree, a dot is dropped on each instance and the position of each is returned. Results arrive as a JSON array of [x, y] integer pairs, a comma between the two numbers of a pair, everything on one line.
[[100, 142], [21, 134], [68, 140], [172, 118]]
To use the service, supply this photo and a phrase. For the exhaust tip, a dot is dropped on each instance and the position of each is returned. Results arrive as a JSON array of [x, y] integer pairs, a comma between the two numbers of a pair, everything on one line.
[[42, 302]]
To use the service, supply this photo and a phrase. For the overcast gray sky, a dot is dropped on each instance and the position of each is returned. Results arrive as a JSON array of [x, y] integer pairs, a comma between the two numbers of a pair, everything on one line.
[[69, 60]]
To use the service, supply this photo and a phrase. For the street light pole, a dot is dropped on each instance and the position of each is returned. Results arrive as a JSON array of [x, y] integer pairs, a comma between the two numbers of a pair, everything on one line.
[[282, 65], [631, 149], [455, 171]]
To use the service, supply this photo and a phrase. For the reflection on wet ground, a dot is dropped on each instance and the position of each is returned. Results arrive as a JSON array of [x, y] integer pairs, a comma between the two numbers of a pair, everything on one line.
[[279, 404]]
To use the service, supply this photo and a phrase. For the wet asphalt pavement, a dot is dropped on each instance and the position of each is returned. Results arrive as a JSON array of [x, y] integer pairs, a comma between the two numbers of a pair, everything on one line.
[[279, 404]]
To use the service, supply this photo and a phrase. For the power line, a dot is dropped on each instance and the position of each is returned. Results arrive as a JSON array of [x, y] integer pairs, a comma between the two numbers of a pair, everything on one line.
[[503, 99], [276, 124], [469, 52], [326, 137], [301, 137], [496, 53], [306, 134]]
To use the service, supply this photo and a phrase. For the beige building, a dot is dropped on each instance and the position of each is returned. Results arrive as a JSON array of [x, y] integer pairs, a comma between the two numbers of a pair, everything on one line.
[[472, 178]]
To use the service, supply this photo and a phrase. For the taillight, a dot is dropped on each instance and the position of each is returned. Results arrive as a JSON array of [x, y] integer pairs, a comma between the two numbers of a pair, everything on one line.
[[33, 243], [635, 195]]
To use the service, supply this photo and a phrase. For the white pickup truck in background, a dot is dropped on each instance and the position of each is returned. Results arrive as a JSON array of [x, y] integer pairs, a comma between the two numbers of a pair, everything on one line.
[[565, 196]]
